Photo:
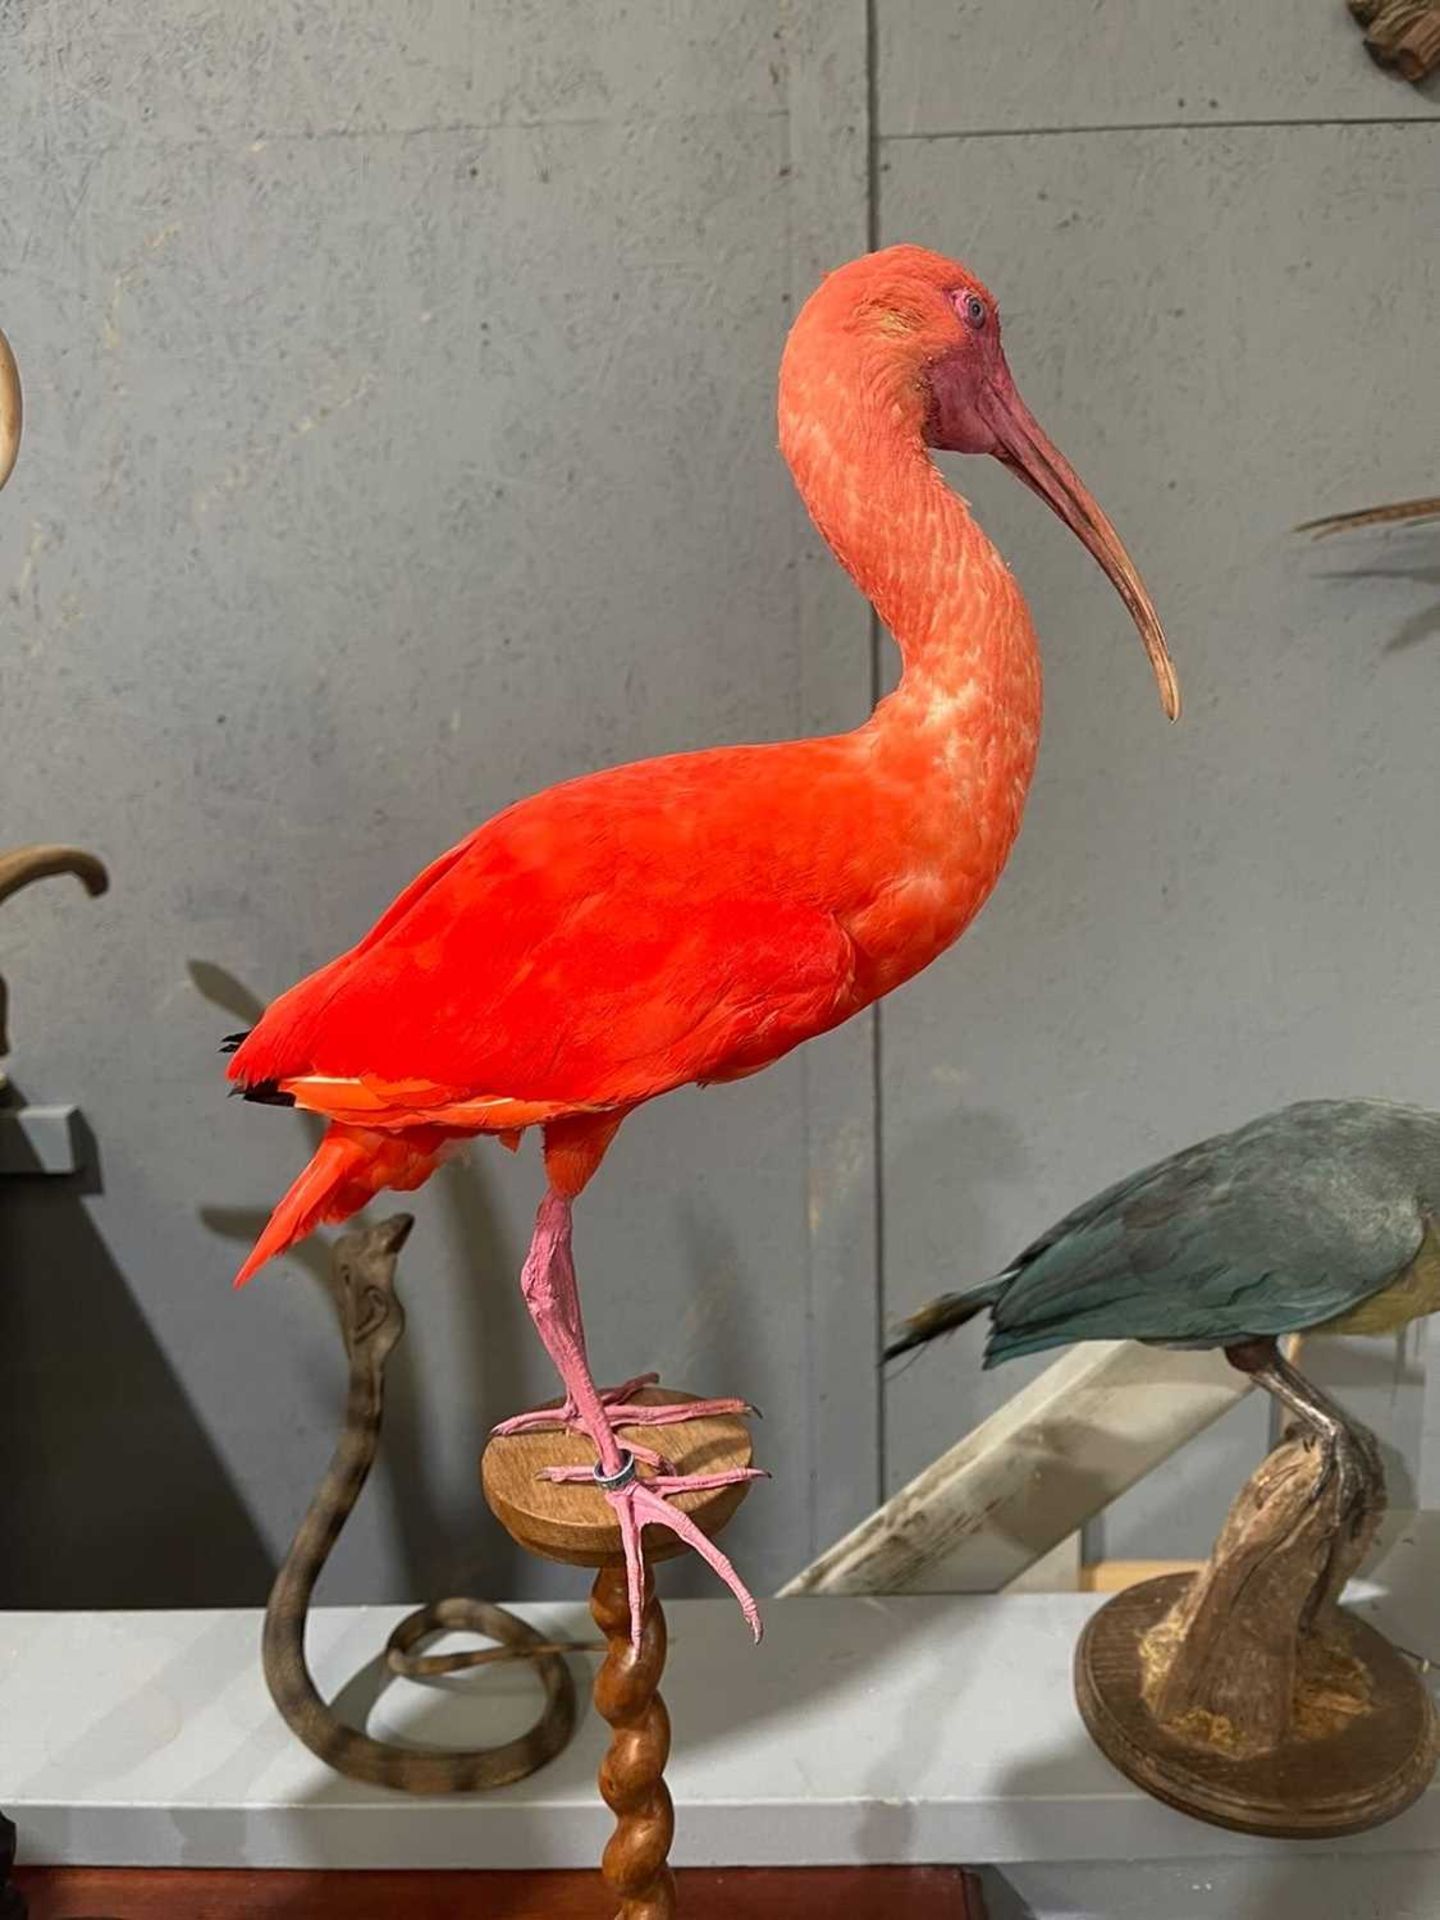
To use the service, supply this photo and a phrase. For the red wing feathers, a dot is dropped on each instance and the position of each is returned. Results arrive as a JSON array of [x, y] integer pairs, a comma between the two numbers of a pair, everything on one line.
[[602, 943], [582, 951], [599, 1026]]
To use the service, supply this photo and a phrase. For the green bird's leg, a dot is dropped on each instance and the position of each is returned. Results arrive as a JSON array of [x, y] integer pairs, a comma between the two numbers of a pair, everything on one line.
[[1350, 1452]]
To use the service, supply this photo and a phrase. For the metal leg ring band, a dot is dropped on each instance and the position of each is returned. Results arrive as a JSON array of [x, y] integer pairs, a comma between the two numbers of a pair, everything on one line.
[[622, 1476]]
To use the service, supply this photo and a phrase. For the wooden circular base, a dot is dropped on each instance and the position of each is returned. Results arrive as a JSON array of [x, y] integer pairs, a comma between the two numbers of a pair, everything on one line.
[[1378, 1756], [576, 1523]]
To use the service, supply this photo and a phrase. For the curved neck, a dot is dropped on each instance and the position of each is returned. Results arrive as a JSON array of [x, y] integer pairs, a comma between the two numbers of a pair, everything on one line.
[[856, 449]]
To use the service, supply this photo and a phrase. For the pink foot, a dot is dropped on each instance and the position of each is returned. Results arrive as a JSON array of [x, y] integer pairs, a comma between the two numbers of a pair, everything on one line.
[[671, 1413], [646, 1503], [567, 1415], [625, 1411]]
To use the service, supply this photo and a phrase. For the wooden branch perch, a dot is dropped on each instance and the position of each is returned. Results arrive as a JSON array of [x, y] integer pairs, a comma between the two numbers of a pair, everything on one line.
[[1256, 1640], [1244, 1694], [1401, 34]]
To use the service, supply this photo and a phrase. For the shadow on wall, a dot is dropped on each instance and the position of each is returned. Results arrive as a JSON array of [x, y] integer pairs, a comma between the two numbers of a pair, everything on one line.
[[719, 1333], [434, 1554], [84, 1384], [438, 1551], [481, 1557], [1423, 624]]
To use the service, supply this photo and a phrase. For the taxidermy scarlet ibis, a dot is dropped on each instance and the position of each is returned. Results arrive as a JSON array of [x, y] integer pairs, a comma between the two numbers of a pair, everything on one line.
[[692, 919], [1316, 1219]]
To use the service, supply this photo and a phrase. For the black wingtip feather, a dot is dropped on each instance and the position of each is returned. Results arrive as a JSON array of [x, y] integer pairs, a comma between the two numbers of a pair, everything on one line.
[[234, 1041], [267, 1093]]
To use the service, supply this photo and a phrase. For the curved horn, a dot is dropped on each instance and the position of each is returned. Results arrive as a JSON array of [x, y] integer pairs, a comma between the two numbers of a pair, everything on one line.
[[24, 864], [12, 411]]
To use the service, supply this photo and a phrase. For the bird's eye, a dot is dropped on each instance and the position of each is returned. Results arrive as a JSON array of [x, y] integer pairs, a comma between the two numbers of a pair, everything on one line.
[[973, 308]]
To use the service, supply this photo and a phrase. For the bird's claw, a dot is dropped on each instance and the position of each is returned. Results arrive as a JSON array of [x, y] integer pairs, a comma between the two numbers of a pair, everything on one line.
[[666, 1483], [1350, 1460], [674, 1413], [566, 1417], [562, 1419], [611, 1396], [569, 1476], [646, 1503], [624, 1410]]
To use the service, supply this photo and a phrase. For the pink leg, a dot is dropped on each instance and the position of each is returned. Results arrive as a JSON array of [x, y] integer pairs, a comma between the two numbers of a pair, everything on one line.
[[548, 1282]]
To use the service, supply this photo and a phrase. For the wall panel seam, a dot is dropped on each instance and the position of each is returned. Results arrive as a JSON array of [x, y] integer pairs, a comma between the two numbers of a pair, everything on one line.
[[884, 139]]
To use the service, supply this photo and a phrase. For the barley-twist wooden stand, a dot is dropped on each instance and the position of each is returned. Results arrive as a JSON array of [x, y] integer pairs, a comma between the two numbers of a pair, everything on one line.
[[632, 1775], [575, 1524]]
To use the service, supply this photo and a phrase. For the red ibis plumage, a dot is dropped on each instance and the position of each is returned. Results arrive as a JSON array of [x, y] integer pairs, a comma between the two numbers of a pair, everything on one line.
[[694, 918]]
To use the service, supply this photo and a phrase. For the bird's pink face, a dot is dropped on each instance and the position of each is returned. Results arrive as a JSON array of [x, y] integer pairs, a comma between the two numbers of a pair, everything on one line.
[[968, 379], [972, 406]]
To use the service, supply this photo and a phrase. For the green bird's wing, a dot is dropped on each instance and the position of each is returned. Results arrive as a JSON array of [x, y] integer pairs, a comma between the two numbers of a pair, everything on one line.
[[1277, 1227]]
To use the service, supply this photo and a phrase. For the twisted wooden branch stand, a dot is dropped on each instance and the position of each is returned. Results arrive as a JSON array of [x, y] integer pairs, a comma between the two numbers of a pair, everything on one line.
[[574, 1524]]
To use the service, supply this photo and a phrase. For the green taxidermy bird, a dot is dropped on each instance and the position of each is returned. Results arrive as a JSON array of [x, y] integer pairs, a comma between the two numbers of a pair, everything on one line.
[[1319, 1218]]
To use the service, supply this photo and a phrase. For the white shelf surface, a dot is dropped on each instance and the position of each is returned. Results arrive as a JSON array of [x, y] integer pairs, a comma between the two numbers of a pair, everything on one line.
[[922, 1729]]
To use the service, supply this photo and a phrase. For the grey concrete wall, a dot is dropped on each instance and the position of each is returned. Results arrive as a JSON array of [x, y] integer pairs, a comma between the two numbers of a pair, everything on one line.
[[400, 440], [401, 388]]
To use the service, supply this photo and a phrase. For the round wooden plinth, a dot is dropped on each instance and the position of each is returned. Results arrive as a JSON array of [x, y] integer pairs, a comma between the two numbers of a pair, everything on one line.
[[1369, 1770], [576, 1523]]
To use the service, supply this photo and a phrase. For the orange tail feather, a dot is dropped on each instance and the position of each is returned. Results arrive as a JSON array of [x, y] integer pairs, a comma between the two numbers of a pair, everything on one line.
[[350, 1166]]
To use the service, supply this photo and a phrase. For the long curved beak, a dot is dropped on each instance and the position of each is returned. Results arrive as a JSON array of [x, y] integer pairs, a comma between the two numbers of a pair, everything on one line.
[[1024, 448]]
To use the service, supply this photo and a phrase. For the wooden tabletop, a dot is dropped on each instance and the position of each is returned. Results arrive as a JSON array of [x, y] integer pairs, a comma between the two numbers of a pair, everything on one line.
[[859, 1893]]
